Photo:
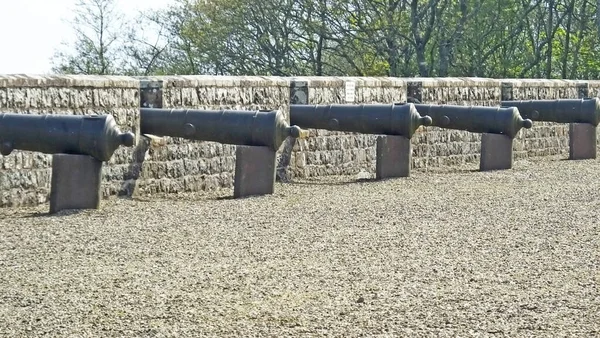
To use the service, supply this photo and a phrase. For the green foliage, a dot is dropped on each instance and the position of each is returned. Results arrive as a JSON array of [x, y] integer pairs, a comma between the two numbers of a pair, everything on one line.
[[487, 38]]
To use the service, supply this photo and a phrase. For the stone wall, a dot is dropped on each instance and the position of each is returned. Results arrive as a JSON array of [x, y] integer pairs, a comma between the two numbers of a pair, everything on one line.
[[334, 153], [172, 165], [178, 165], [25, 176]]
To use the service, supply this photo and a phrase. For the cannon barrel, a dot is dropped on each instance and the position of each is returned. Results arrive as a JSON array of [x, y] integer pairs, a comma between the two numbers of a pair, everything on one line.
[[94, 135], [265, 128], [560, 111], [492, 120], [386, 119]]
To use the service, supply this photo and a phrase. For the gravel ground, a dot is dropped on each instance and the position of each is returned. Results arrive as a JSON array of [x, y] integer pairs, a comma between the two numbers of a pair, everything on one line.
[[443, 253]]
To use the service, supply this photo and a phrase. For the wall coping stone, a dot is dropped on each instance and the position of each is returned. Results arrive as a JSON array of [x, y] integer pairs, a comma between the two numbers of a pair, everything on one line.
[[543, 82], [432, 82], [339, 82], [187, 81], [67, 81], [183, 81]]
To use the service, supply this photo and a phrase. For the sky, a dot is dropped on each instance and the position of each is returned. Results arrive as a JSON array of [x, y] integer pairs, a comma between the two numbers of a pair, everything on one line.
[[32, 30]]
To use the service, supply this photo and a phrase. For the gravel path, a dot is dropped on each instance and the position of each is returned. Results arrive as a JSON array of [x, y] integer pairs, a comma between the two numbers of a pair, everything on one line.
[[512, 253]]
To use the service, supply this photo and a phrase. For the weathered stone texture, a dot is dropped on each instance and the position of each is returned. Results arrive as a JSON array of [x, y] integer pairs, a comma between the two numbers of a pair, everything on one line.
[[432, 146], [25, 176], [593, 88], [460, 91], [173, 165], [338, 153], [545, 138], [179, 165]]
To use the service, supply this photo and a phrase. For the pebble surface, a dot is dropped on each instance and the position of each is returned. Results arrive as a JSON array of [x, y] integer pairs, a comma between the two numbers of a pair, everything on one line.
[[447, 252]]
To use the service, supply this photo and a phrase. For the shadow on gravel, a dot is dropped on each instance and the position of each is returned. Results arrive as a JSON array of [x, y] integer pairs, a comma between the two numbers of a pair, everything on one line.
[[445, 170], [224, 198], [359, 181], [61, 213], [567, 159]]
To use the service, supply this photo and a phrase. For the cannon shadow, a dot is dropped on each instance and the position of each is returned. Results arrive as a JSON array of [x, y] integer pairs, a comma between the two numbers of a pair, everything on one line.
[[135, 168], [62, 213], [349, 182]]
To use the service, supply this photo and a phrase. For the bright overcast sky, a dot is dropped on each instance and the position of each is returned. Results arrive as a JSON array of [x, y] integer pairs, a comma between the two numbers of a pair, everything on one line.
[[31, 30]]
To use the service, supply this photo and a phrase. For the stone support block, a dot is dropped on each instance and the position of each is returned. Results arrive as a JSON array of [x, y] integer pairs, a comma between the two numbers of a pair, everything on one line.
[[496, 152], [393, 157], [254, 171], [75, 182], [582, 141]]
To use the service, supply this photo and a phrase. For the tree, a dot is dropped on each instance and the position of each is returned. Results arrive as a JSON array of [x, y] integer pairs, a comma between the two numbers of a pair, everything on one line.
[[96, 49], [486, 38], [145, 46]]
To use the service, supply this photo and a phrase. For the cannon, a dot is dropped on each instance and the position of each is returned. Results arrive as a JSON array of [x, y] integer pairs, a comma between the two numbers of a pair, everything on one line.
[[559, 111], [499, 126], [94, 135], [262, 128], [385, 119], [79, 144], [491, 120], [257, 134], [395, 123], [583, 116]]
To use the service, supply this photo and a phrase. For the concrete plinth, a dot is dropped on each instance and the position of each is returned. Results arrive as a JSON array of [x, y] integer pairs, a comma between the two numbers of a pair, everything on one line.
[[582, 141], [75, 182], [394, 155], [254, 171], [496, 152]]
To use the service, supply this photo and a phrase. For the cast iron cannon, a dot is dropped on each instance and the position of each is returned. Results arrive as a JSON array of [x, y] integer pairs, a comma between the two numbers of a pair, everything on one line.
[[498, 126], [560, 111], [240, 127], [385, 119], [257, 134], [583, 116], [491, 120], [94, 135], [395, 123]]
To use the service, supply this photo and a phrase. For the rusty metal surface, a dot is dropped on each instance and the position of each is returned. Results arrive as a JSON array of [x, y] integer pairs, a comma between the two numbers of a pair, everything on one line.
[[151, 94], [299, 92]]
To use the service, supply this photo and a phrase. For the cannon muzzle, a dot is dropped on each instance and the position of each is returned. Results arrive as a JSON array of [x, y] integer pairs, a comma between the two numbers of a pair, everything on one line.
[[493, 120], [386, 119], [267, 128], [94, 135], [560, 111]]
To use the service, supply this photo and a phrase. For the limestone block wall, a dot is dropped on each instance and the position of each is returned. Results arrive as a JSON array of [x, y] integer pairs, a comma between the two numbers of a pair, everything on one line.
[[326, 153], [463, 147], [173, 165], [178, 165], [25, 176], [338, 153], [547, 138], [593, 88], [440, 147]]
